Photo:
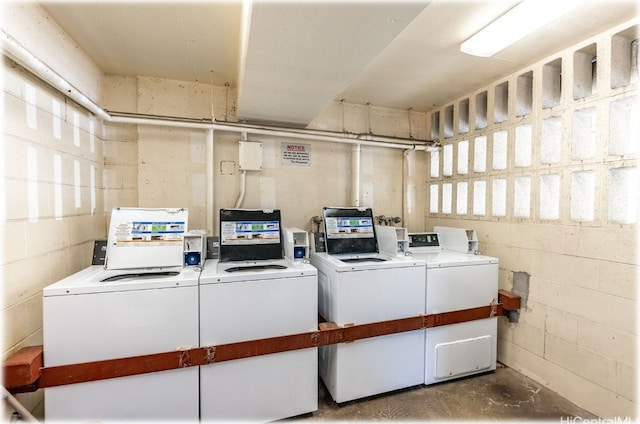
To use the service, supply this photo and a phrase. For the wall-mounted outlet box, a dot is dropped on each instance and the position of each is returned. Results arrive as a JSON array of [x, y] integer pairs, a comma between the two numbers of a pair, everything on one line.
[[250, 156]]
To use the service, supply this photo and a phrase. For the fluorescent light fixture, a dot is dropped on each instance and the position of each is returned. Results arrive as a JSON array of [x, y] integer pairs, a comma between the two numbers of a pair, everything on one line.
[[520, 21]]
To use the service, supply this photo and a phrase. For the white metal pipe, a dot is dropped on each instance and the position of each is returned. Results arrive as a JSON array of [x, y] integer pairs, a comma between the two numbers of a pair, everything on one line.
[[270, 131], [407, 186], [355, 175], [18, 407], [210, 184], [17, 52], [243, 179], [376, 141], [162, 122], [357, 138]]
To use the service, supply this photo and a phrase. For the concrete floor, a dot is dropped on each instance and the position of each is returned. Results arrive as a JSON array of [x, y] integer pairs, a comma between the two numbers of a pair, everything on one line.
[[501, 395]]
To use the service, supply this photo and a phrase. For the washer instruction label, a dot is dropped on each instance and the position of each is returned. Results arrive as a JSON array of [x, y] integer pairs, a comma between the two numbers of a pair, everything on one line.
[[250, 232], [349, 227], [150, 233]]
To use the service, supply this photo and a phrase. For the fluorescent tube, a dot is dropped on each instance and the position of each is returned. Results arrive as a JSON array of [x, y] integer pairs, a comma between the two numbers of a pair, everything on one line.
[[517, 23]]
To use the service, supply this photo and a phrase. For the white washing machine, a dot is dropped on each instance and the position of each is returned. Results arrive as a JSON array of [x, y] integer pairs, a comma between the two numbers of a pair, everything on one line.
[[359, 286], [242, 300], [367, 292], [456, 281], [100, 314], [89, 319]]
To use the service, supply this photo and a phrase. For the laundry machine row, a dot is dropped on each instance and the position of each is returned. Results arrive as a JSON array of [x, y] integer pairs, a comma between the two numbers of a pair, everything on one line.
[[87, 320], [128, 309], [100, 314], [371, 273]]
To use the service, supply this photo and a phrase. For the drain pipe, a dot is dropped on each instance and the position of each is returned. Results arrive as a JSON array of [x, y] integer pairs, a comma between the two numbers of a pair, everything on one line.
[[355, 175], [210, 183], [407, 184]]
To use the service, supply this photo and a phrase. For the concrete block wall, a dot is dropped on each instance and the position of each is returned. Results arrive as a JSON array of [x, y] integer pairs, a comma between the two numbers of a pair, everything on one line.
[[53, 208], [543, 164], [52, 158]]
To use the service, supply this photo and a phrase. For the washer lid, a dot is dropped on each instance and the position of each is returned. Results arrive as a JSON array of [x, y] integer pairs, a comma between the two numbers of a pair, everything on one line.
[[145, 238], [96, 279], [229, 272], [447, 258], [365, 264]]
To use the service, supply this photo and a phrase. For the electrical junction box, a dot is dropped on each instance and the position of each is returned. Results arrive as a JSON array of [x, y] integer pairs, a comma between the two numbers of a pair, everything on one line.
[[250, 156]]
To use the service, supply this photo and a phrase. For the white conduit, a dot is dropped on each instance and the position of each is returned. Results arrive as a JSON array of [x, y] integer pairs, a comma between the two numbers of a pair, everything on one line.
[[407, 183], [14, 404], [355, 175], [274, 131], [243, 185], [17, 52], [209, 184], [243, 180]]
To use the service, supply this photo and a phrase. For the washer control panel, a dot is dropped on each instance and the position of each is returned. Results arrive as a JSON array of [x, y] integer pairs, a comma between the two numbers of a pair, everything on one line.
[[423, 240]]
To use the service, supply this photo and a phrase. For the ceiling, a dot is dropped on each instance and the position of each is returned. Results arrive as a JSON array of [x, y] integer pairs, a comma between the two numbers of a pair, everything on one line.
[[291, 60]]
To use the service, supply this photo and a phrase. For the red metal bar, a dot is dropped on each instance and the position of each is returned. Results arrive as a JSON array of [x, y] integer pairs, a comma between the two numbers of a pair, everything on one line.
[[510, 301], [22, 369], [26, 372]]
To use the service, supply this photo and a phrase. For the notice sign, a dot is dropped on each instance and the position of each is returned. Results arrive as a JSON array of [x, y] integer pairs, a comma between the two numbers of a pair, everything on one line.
[[294, 154]]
